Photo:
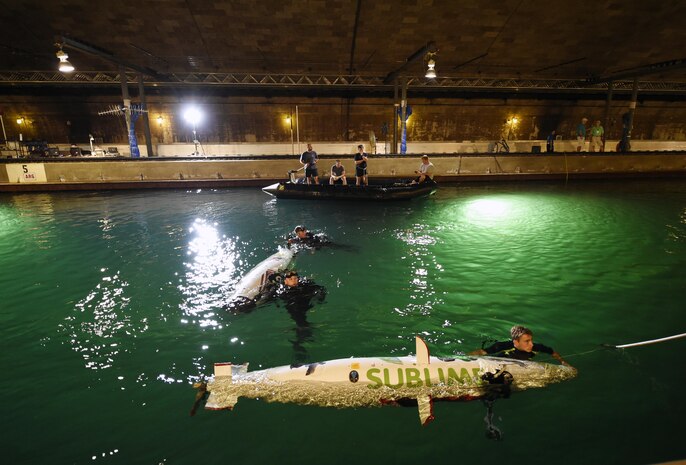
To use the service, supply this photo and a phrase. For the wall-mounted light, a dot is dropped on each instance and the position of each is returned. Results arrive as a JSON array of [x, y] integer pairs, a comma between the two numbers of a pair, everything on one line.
[[21, 120], [160, 120], [430, 66], [64, 66]]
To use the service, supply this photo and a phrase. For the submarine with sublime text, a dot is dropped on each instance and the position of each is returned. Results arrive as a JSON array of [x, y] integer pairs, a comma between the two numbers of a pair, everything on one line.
[[375, 381]]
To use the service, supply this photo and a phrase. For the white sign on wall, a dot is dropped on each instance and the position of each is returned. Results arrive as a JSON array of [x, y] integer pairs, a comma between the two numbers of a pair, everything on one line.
[[29, 172]]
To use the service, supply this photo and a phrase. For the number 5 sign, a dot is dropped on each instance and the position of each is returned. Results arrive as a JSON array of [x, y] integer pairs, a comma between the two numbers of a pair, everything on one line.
[[29, 172]]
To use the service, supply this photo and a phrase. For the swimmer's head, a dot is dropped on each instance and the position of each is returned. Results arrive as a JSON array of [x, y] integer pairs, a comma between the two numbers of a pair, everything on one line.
[[300, 231], [291, 278], [522, 338]]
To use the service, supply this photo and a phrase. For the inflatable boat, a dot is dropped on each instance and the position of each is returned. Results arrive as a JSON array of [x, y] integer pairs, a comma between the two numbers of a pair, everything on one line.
[[398, 190]]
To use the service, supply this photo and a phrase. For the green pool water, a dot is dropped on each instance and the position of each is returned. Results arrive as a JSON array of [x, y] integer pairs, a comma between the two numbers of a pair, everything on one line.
[[110, 308]]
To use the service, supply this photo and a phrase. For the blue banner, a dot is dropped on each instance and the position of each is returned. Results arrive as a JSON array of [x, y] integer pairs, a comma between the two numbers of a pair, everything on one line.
[[403, 136], [133, 142]]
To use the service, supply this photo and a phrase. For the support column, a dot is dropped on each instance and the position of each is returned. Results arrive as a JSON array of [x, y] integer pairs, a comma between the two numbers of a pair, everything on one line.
[[127, 106], [146, 119], [608, 101], [394, 120], [403, 111], [628, 120]]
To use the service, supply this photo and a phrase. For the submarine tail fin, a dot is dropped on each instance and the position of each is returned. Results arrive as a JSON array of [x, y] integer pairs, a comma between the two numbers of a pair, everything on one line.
[[425, 404], [224, 373], [422, 351]]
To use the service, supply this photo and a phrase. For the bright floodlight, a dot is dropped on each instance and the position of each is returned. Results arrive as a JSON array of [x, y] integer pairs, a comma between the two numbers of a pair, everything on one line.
[[431, 71], [65, 66], [192, 116]]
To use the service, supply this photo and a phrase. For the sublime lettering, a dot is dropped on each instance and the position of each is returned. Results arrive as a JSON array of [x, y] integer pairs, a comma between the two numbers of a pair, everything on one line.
[[413, 377]]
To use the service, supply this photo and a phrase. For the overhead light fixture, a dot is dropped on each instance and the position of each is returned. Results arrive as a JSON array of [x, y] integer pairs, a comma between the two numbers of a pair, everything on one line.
[[20, 120], [431, 66], [65, 66], [192, 115]]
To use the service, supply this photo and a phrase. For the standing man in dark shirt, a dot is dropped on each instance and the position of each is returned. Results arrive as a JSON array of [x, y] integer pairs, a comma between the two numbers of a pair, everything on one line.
[[309, 160], [520, 347], [361, 166]]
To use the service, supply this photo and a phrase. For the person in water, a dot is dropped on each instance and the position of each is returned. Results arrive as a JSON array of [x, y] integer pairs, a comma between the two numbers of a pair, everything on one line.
[[297, 296], [301, 236], [521, 346]]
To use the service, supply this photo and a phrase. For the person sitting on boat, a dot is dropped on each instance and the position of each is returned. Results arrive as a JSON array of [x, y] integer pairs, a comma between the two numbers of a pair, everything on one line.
[[302, 237], [521, 346], [361, 166], [338, 174], [425, 171], [309, 161]]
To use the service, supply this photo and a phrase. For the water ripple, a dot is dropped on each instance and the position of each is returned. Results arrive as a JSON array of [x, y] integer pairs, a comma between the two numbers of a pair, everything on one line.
[[102, 325]]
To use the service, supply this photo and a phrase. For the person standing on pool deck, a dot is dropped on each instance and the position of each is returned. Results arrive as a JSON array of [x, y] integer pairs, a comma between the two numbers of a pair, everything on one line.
[[309, 160], [521, 346], [581, 134], [361, 166]]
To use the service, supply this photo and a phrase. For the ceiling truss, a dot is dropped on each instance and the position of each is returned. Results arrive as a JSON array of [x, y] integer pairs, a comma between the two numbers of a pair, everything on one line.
[[350, 82]]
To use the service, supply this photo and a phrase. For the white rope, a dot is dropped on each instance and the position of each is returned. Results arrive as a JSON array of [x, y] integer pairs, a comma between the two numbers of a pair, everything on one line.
[[653, 341]]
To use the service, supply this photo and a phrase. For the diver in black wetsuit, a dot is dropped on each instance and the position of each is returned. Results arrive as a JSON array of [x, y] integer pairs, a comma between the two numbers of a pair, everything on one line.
[[297, 296], [302, 237], [521, 346]]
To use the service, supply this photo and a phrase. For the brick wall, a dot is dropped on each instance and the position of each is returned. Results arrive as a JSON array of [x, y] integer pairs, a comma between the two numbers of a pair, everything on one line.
[[60, 118]]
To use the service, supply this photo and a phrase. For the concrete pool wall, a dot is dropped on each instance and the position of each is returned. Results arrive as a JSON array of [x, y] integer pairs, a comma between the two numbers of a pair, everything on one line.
[[118, 173]]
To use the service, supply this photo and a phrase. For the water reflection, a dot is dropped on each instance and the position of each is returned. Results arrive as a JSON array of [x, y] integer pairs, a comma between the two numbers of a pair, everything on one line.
[[424, 265], [210, 274], [677, 232], [102, 324]]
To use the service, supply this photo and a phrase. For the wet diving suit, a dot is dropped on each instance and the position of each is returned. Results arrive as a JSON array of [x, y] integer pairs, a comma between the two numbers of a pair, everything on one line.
[[506, 349], [298, 300], [310, 240]]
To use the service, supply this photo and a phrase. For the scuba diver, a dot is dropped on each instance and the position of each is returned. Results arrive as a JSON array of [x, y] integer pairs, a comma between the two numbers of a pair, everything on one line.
[[304, 238], [296, 295]]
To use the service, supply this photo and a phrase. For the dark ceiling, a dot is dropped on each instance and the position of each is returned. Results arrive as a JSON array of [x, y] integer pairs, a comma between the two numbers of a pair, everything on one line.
[[489, 38]]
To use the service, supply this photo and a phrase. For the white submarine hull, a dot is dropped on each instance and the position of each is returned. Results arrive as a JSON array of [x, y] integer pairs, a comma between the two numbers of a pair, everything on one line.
[[375, 381], [252, 284]]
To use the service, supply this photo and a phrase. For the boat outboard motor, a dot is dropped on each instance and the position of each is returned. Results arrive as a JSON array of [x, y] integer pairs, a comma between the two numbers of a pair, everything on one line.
[[291, 176]]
